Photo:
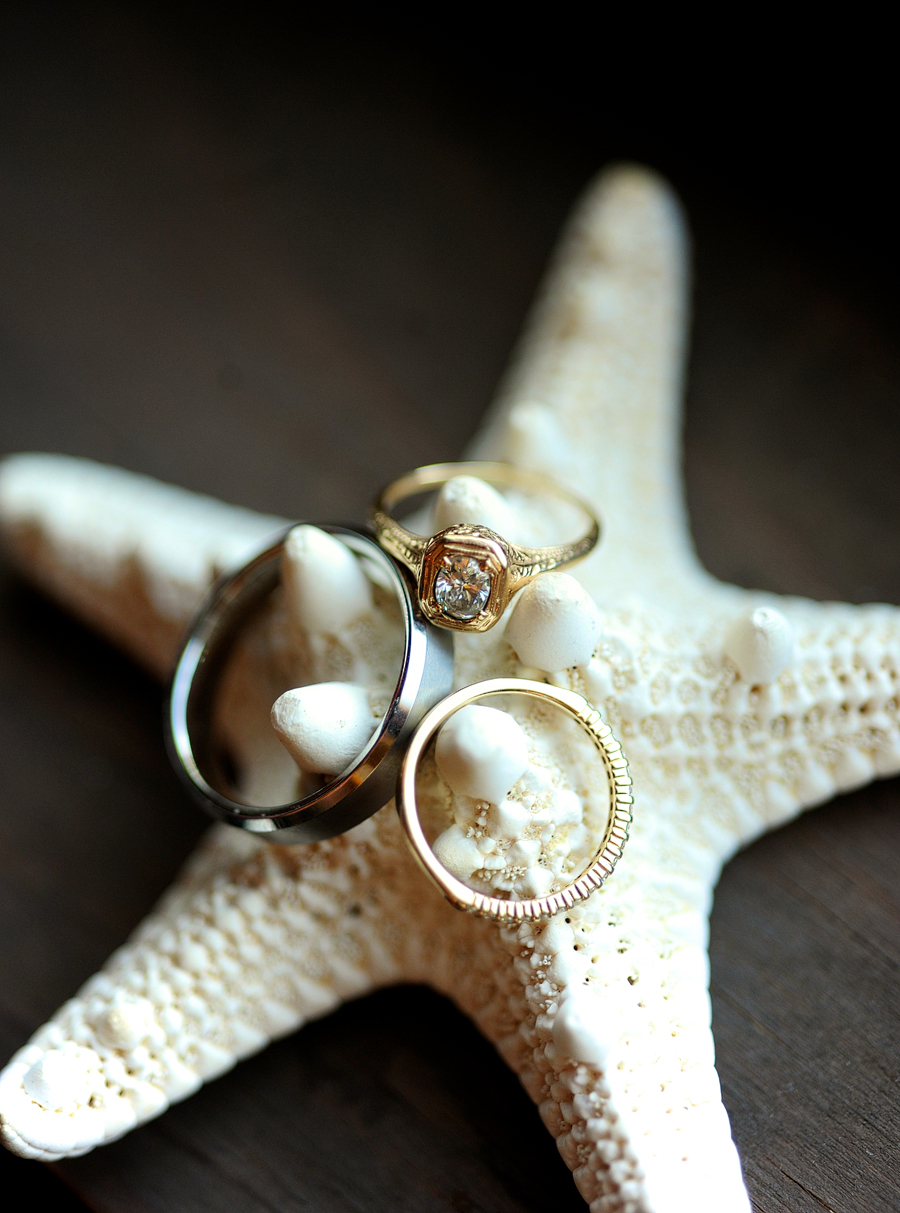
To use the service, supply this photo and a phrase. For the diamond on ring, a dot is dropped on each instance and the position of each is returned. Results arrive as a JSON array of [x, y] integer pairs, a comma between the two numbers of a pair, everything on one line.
[[462, 587]]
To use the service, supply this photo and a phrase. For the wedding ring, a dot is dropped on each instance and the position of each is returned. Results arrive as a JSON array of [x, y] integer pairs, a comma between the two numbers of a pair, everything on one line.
[[615, 833], [426, 674], [466, 575]]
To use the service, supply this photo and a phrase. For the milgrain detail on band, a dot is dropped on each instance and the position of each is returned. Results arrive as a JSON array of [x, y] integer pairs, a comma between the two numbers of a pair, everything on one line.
[[614, 837]]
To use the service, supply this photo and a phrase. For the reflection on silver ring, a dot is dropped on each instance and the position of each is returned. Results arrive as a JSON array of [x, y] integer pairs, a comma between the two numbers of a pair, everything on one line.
[[426, 675]]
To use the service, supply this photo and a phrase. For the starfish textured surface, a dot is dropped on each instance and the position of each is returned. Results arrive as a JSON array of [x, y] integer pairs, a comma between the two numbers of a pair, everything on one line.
[[737, 711]]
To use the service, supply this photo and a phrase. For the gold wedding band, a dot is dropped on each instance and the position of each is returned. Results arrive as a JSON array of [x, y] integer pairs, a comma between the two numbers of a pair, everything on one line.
[[615, 834], [466, 575]]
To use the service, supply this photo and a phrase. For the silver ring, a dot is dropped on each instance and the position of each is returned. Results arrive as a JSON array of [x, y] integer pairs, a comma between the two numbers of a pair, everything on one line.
[[426, 676]]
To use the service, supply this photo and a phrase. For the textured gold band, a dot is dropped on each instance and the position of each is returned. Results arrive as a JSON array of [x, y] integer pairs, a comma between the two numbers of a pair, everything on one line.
[[506, 566], [614, 836]]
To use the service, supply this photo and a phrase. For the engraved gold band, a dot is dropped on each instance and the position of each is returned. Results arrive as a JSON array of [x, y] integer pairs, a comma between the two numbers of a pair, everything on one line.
[[488, 569], [614, 837]]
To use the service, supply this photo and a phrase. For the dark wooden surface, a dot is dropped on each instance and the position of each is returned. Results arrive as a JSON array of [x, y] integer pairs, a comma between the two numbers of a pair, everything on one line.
[[279, 274]]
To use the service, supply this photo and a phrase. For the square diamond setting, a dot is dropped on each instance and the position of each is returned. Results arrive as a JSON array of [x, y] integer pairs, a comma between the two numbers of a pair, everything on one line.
[[463, 578]]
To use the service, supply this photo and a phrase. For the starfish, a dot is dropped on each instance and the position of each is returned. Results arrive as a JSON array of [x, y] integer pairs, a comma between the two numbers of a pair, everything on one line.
[[737, 709]]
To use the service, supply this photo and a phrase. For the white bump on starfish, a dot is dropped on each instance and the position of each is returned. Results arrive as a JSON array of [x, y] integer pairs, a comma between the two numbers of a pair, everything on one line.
[[554, 623], [467, 499], [254, 940], [585, 1031], [481, 752], [58, 1081], [323, 582], [760, 642], [324, 726], [127, 1023], [458, 852], [534, 440]]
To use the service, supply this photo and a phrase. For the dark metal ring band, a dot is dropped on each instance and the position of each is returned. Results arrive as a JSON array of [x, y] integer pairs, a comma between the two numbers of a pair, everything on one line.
[[426, 675]]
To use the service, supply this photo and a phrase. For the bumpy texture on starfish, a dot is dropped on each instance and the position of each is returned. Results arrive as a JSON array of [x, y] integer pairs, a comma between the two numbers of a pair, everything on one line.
[[737, 710]]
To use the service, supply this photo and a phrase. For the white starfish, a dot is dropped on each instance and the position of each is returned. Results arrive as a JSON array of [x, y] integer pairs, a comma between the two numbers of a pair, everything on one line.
[[737, 710]]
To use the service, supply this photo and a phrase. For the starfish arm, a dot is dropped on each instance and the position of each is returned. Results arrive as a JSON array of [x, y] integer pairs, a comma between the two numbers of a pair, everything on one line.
[[251, 942], [727, 758], [131, 556], [593, 394], [604, 1015]]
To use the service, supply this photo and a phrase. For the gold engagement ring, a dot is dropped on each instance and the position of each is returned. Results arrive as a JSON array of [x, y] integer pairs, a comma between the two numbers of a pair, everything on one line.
[[467, 574]]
